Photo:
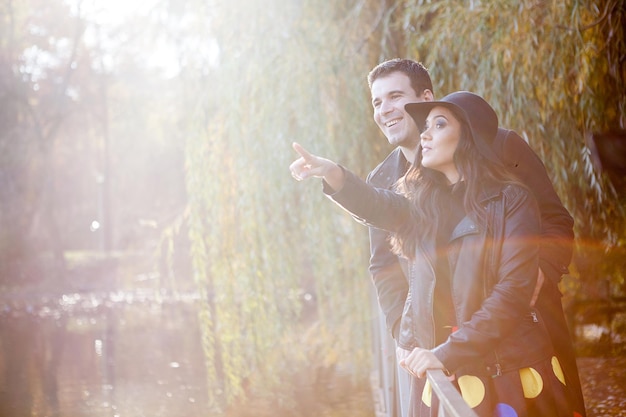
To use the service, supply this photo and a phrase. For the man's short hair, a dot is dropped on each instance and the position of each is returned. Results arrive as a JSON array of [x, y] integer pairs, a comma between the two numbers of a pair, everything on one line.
[[416, 71]]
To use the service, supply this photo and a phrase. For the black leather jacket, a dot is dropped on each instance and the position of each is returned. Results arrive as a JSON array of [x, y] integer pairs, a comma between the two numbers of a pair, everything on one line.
[[491, 284], [389, 273], [387, 270]]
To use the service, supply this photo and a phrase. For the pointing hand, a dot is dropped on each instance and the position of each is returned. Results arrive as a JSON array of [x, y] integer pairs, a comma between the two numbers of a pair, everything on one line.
[[309, 165]]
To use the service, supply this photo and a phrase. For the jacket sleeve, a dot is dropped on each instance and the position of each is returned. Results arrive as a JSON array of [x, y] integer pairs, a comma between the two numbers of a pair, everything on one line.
[[515, 279], [388, 272], [371, 206], [557, 224], [389, 279]]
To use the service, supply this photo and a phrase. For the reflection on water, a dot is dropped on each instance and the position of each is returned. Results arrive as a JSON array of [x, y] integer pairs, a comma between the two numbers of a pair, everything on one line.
[[101, 354]]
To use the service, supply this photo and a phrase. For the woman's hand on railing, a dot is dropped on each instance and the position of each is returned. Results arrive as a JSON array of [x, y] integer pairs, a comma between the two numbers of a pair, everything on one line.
[[418, 361]]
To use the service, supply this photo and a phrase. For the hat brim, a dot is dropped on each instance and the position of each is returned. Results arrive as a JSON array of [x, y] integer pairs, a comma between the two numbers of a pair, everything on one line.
[[419, 111]]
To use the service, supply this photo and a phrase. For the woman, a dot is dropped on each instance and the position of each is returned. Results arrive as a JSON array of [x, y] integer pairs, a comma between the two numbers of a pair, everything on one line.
[[469, 232]]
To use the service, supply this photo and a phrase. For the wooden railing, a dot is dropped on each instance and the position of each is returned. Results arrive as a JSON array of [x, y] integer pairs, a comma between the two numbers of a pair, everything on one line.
[[451, 404]]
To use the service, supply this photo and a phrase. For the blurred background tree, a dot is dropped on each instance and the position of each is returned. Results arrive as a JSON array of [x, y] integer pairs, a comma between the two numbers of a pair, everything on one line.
[[85, 132], [160, 139], [280, 266]]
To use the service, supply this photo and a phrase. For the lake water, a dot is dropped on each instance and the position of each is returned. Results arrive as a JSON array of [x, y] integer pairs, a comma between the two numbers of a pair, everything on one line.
[[109, 354]]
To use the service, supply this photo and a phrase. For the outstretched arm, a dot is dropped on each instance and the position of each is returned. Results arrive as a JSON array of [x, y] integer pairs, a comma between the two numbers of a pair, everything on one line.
[[309, 166], [369, 205]]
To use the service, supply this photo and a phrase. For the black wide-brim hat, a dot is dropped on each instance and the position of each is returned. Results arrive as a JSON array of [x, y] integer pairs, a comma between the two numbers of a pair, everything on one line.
[[469, 108]]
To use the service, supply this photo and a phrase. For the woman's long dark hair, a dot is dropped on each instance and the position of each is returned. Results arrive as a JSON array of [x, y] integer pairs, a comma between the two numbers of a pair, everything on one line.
[[425, 188]]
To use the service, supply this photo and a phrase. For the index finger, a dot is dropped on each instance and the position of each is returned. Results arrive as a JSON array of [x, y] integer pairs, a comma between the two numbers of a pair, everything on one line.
[[303, 152]]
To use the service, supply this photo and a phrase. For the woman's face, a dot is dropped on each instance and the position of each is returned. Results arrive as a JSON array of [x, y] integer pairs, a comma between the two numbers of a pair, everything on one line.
[[439, 140]]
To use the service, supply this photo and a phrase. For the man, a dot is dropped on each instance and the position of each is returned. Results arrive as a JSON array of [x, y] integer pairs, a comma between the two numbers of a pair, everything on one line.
[[393, 84], [397, 82]]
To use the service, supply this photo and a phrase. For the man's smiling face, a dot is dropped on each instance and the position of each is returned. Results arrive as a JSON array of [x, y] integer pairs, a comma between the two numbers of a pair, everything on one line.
[[389, 95]]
